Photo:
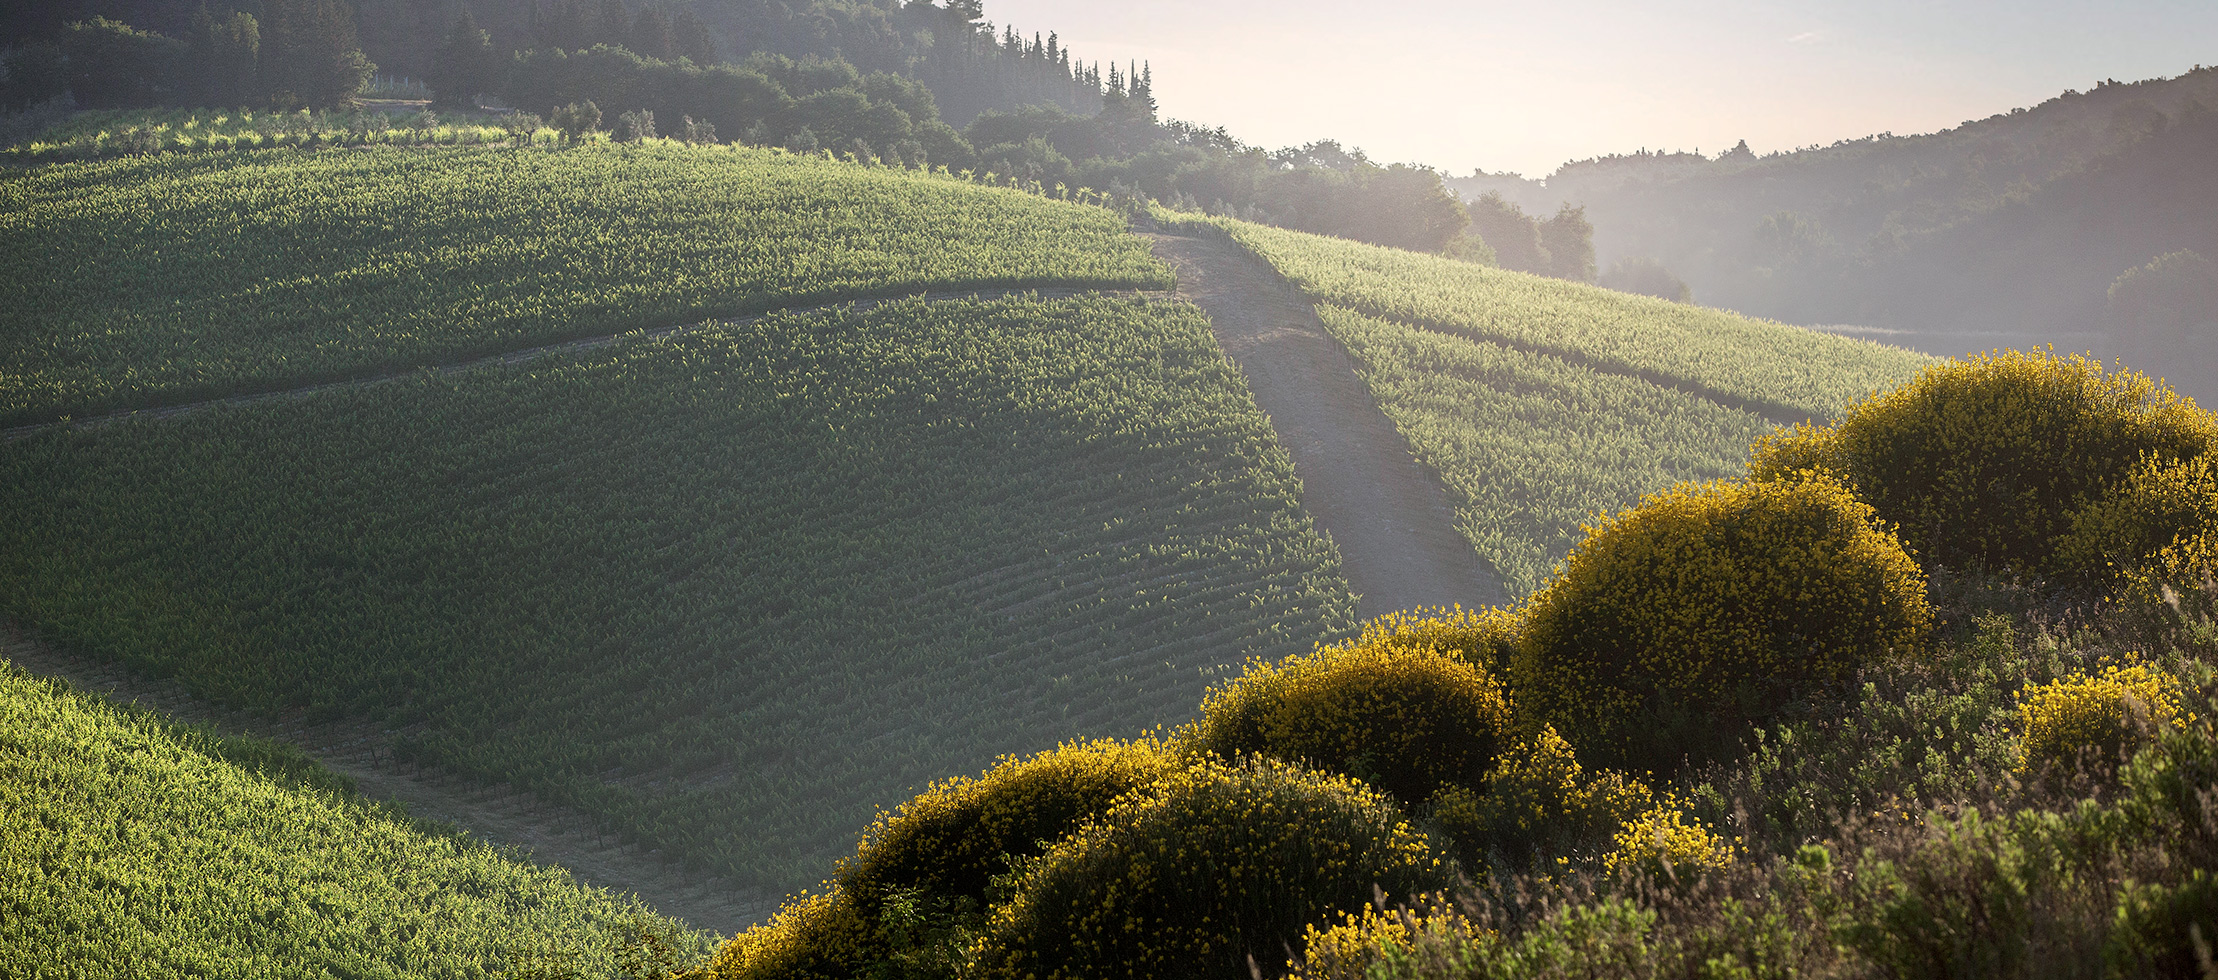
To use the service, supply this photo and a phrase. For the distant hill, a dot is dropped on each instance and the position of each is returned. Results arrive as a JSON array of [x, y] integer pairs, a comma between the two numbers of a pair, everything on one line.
[[2005, 230]]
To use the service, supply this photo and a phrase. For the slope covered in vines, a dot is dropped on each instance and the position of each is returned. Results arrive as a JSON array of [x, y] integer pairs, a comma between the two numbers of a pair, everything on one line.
[[130, 846], [144, 281], [729, 588]]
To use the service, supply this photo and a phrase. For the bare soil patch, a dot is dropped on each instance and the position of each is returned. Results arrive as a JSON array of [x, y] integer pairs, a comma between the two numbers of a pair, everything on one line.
[[1387, 512]]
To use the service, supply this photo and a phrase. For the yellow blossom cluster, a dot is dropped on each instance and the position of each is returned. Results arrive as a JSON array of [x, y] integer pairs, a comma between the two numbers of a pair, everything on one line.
[[1710, 606], [1668, 846], [1390, 709], [1983, 461], [1540, 804], [2157, 531], [947, 845], [2094, 718], [1218, 862]]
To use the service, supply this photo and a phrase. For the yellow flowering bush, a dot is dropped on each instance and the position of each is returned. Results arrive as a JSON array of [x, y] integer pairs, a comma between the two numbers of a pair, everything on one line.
[[1675, 625], [1539, 805], [2095, 718], [1983, 461], [1666, 845], [1217, 863], [814, 937], [1486, 637], [1346, 949], [2158, 529], [941, 851], [1403, 716]]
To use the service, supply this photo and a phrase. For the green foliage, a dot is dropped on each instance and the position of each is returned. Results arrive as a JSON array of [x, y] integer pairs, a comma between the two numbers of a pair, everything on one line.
[[184, 276], [925, 871], [1531, 446], [128, 849], [1751, 363], [1647, 277], [1678, 623], [1406, 719], [1217, 865], [2167, 933], [1983, 462], [1539, 810], [779, 569]]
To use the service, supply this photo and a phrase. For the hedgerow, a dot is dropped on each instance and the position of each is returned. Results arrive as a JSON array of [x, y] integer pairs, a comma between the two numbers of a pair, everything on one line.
[[1219, 865], [1983, 462], [1407, 719], [1677, 624]]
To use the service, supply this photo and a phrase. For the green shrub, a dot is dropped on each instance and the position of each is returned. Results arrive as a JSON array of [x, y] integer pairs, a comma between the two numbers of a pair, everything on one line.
[[923, 870], [2098, 719], [1218, 865], [1540, 809], [2157, 530], [1983, 462], [2166, 933], [1402, 716], [1677, 624]]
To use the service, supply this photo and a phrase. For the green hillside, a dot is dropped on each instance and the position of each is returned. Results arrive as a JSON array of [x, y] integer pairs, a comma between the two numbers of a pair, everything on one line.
[[131, 847], [1541, 402], [155, 280], [730, 588]]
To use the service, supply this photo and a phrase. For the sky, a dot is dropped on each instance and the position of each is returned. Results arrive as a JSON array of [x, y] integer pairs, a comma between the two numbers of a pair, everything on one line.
[[1525, 87]]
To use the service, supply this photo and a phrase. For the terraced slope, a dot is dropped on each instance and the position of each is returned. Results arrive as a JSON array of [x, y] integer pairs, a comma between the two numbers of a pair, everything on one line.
[[150, 281], [729, 589], [1541, 402], [132, 847]]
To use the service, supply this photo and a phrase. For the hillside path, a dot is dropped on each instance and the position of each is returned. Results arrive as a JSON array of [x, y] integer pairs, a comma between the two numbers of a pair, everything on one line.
[[1386, 511], [546, 833]]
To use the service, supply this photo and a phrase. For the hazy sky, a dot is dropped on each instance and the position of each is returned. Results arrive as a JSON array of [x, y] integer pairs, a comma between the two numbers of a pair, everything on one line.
[[1526, 86]]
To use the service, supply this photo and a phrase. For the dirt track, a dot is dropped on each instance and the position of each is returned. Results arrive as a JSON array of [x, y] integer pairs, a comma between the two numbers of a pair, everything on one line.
[[1386, 511]]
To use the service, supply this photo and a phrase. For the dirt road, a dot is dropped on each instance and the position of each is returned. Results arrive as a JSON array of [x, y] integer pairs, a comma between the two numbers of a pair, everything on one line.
[[1386, 511]]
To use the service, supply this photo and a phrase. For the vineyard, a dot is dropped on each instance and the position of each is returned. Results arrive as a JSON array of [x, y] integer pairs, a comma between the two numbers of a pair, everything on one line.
[[1529, 446], [1784, 373], [728, 589], [155, 280], [1540, 402], [130, 846]]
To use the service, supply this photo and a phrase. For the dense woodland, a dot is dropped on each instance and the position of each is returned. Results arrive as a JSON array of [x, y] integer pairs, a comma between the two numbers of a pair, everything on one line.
[[875, 83]]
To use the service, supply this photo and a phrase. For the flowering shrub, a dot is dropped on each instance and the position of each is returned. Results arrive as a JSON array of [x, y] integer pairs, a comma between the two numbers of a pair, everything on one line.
[[1983, 461], [1676, 624], [1668, 846], [2098, 718], [1399, 714], [1346, 950], [1486, 637], [1217, 864], [926, 866], [2158, 529], [1540, 806]]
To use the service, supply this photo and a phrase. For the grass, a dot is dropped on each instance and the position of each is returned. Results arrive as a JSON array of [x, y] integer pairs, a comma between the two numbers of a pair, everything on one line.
[[155, 280], [730, 589], [1785, 373], [130, 846], [1531, 446]]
